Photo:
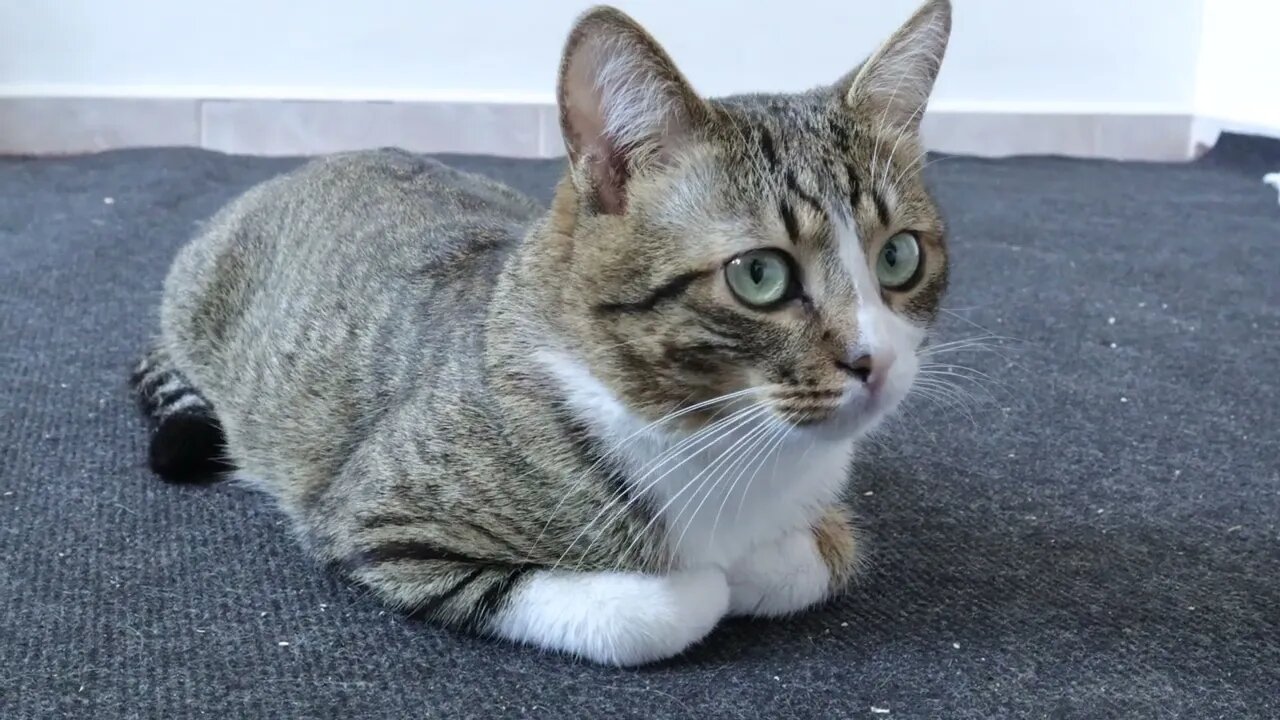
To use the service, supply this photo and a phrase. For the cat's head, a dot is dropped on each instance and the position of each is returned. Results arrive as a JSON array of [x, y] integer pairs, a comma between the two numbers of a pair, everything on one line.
[[778, 244]]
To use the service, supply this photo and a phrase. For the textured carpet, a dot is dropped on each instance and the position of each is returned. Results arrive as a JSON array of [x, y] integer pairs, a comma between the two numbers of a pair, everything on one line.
[[1093, 534]]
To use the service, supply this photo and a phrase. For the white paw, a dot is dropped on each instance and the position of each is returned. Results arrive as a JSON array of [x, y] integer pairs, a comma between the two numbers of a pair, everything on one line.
[[615, 618], [779, 578]]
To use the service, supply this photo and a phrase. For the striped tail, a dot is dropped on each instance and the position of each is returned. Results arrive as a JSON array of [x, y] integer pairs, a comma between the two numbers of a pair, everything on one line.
[[187, 444]]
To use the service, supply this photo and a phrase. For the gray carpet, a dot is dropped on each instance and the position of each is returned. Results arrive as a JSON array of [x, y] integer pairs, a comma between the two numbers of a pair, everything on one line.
[[1095, 535]]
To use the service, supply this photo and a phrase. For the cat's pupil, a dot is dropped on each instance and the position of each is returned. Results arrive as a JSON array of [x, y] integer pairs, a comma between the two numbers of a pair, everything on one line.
[[757, 271], [891, 255]]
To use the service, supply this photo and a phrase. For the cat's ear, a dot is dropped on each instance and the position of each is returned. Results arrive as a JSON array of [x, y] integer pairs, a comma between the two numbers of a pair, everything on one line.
[[892, 87], [624, 107]]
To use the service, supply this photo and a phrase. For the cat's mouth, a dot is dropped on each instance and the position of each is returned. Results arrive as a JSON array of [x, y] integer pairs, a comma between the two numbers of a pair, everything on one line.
[[835, 410], [805, 406]]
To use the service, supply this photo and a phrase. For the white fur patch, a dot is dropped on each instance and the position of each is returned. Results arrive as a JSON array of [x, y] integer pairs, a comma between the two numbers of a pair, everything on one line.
[[170, 387], [881, 332], [779, 578], [634, 104], [615, 618], [183, 403], [746, 484]]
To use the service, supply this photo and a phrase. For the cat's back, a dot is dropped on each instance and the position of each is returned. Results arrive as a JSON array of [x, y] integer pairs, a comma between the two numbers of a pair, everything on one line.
[[388, 200], [347, 229], [318, 293]]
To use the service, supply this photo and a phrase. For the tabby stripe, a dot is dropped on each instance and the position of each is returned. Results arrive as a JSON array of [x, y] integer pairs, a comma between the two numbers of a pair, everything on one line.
[[589, 451], [722, 331], [183, 404], [842, 137], [766, 148], [496, 596], [794, 186], [800, 393], [855, 191], [427, 610], [165, 399], [925, 299], [882, 208], [726, 323], [671, 289], [404, 520], [374, 522], [789, 220], [492, 537], [412, 550], [148, 382]]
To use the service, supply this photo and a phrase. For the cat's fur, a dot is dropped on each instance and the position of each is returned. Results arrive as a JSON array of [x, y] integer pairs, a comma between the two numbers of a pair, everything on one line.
[[466, 403]]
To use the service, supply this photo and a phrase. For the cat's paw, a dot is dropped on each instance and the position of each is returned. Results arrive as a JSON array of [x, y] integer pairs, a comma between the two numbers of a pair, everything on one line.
[[803, 568], [615, 618], [779, 578]]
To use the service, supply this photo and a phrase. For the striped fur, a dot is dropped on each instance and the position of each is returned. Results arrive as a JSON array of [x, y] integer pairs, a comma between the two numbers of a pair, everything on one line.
[[187, 443], [561, 427]]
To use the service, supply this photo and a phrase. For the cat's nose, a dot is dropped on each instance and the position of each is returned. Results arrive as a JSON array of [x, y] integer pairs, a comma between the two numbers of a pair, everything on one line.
[[860, 367], [868, 368]]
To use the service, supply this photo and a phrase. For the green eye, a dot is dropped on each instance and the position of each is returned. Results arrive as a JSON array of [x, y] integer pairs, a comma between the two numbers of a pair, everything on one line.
[[760, 278], [899, 259]]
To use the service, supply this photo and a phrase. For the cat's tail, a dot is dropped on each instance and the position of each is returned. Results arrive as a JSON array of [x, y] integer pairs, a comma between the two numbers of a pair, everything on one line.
[[187, 444]]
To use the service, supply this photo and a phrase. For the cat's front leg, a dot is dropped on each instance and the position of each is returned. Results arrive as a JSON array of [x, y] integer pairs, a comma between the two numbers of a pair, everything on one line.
[[801, 569]]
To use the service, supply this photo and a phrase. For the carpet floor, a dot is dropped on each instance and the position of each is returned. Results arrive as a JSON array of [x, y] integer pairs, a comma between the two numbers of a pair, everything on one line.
[[1092, 530]]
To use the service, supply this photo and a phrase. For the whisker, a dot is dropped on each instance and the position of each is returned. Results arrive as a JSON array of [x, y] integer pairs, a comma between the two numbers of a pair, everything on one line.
[[951, 403], [775, 427], [984, 329], [616, 448], [659, 460], [750, 440], [888, 164], [781, 436], [974, 382], [903, 174], [737, 420], [658, 515]]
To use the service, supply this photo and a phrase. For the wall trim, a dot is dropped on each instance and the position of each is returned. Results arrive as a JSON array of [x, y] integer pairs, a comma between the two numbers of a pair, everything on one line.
[[523, 126]]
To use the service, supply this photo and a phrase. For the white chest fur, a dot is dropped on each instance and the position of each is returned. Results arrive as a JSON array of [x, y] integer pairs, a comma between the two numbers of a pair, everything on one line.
[[719, 494], [750, 487]]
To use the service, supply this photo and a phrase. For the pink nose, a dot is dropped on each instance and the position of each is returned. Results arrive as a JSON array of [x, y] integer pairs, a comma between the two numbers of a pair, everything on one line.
[[870, 370]]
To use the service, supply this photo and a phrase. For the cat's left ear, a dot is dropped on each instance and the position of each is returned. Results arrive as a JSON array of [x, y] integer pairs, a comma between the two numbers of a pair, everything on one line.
[[893, 86], [624, 107]]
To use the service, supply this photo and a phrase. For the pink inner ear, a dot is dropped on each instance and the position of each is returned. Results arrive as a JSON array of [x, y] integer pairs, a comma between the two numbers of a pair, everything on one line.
[[611, 175], [584, 130]]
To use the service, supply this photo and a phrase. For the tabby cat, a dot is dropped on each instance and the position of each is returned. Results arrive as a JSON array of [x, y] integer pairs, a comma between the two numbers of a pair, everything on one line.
[[598, 429]]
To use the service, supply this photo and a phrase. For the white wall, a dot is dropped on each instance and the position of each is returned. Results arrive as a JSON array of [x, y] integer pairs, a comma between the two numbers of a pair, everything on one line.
[[1119, 78], [1238, 75], [1028, 55]]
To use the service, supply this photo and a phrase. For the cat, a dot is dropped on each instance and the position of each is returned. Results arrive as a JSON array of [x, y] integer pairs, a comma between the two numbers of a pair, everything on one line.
[[598, 429]]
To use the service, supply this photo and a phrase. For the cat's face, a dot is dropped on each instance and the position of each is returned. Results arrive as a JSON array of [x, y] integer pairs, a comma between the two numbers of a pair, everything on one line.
[[780, 245]]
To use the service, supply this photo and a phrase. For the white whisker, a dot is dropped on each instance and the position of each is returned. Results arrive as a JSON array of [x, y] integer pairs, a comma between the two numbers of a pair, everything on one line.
[[659, 460], [618, 446], [659, 514], [728, 460], [738, 420]]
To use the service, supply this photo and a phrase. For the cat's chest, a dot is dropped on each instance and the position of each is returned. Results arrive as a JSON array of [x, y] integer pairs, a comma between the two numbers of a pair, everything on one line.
[[715, 502]]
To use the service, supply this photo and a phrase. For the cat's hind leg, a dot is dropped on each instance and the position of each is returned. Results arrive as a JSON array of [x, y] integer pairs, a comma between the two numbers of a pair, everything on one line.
[[187, 443]]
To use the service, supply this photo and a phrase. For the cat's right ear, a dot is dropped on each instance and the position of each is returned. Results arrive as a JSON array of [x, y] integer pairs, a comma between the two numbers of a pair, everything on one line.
[[624, 106]]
